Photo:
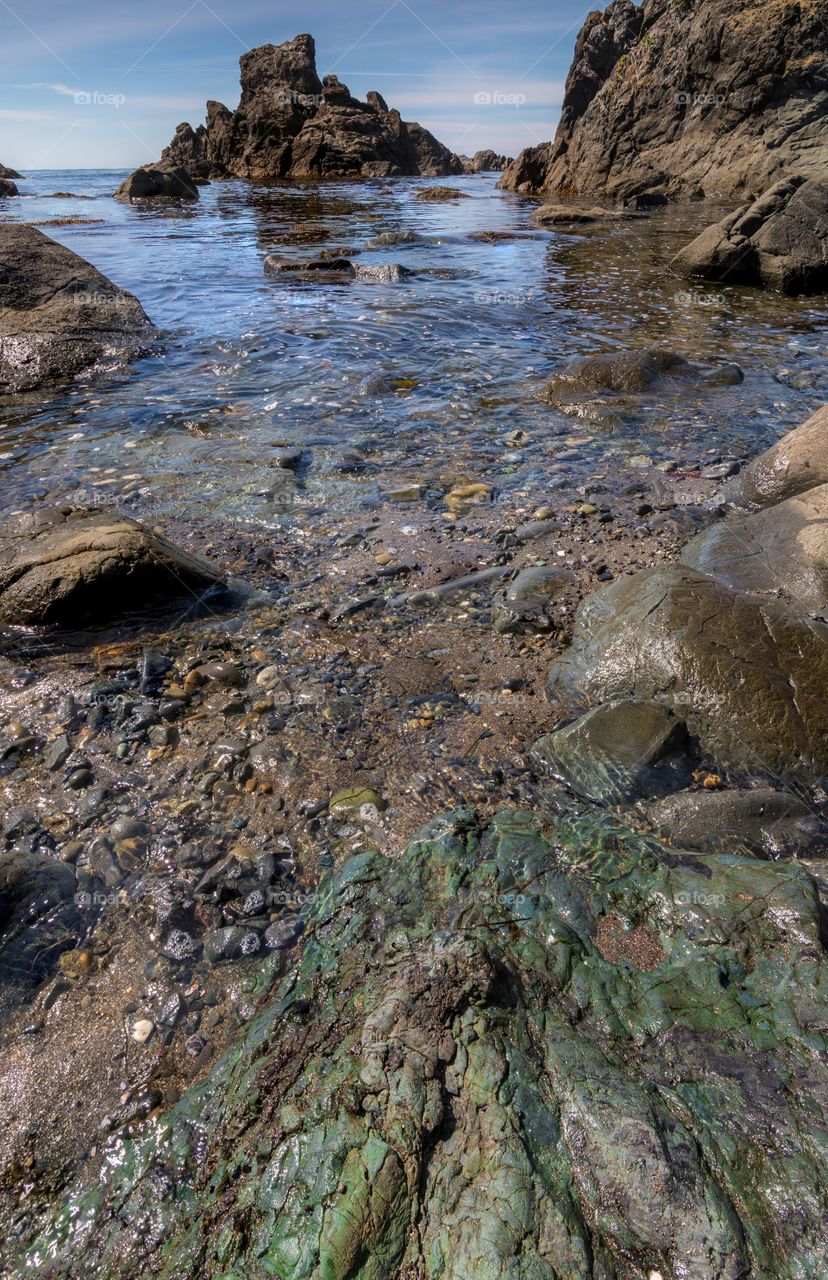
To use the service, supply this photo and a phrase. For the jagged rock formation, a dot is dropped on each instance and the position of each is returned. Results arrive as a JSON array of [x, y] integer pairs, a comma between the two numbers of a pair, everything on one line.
[[705, 97], [57, 313], [544, 1047], [779, 241], [487, 161], [9, 173], [291, 124]]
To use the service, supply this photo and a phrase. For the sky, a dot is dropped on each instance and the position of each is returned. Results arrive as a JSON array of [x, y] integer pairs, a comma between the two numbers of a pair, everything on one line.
[[103, 84]]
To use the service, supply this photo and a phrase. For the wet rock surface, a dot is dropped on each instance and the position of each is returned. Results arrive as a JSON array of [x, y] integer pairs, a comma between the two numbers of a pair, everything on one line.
[[799, 461], [158, 182], [506, 1030], [779, 241], [291, 124], [58, 315], [68, 568], [670, 98]]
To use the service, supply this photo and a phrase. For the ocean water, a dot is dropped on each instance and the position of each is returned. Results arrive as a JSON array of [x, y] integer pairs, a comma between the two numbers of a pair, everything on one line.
[[244, 362]]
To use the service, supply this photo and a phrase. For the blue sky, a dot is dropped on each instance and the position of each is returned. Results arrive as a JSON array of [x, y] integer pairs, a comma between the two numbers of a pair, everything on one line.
[[98, 83]]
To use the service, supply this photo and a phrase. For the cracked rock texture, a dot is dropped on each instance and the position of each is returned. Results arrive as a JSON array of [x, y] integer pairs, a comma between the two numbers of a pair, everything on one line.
[[683, 97], [522, 1050], [779, 241], [291, 124]]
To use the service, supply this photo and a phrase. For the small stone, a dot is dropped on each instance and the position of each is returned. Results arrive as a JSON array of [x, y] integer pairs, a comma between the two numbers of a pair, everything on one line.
[[142, 1030]]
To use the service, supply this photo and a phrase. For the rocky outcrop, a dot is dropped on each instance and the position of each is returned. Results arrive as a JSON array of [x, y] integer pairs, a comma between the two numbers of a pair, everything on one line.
[[695, 98], [58, 315], [8, 188], [487, 161], [291, 124], [9, 173], [525, 1048], [158, 182], [733, 639], [68, 567], [779, 241]]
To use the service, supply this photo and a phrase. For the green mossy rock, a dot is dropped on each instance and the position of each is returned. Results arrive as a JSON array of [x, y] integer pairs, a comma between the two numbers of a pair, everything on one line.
[[530, 1050]]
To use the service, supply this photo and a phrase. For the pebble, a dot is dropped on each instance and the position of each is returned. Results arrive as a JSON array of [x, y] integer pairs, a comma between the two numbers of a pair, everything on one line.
[[142, 1030]]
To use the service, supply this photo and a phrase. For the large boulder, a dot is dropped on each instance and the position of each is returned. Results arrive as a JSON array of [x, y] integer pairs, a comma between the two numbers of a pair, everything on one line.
[[522, 1048], [779, 241], [68, 567], [158, 182], [291, 124], [782, 550], [58, 315], [8, 188], [747, 673], [671, 96], [796, 463]]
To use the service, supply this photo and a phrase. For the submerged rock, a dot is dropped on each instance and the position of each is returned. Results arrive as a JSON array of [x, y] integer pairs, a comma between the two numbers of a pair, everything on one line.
[[766, 823], [517, 1049], [71, 567], [779, 241], [291, 124], [158, 182], [441, 195], [57, 313], [705, 98], [613, 376], [552, 214], [616, 752]]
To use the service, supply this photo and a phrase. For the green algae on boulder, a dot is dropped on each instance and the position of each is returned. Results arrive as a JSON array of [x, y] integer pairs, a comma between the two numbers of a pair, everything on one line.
[[532, 1049]]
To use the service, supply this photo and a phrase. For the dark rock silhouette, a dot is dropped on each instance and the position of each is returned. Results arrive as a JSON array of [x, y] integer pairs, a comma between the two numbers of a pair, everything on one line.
[[291, 124]]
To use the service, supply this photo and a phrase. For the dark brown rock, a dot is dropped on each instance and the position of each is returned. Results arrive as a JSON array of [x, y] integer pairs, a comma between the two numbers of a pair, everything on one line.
[[57, 313], [487, 161], [291, 124], [70, 567], [8, 188], [9, 173], [779, 241], [154, 182], [709, 98], [747, 673]]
